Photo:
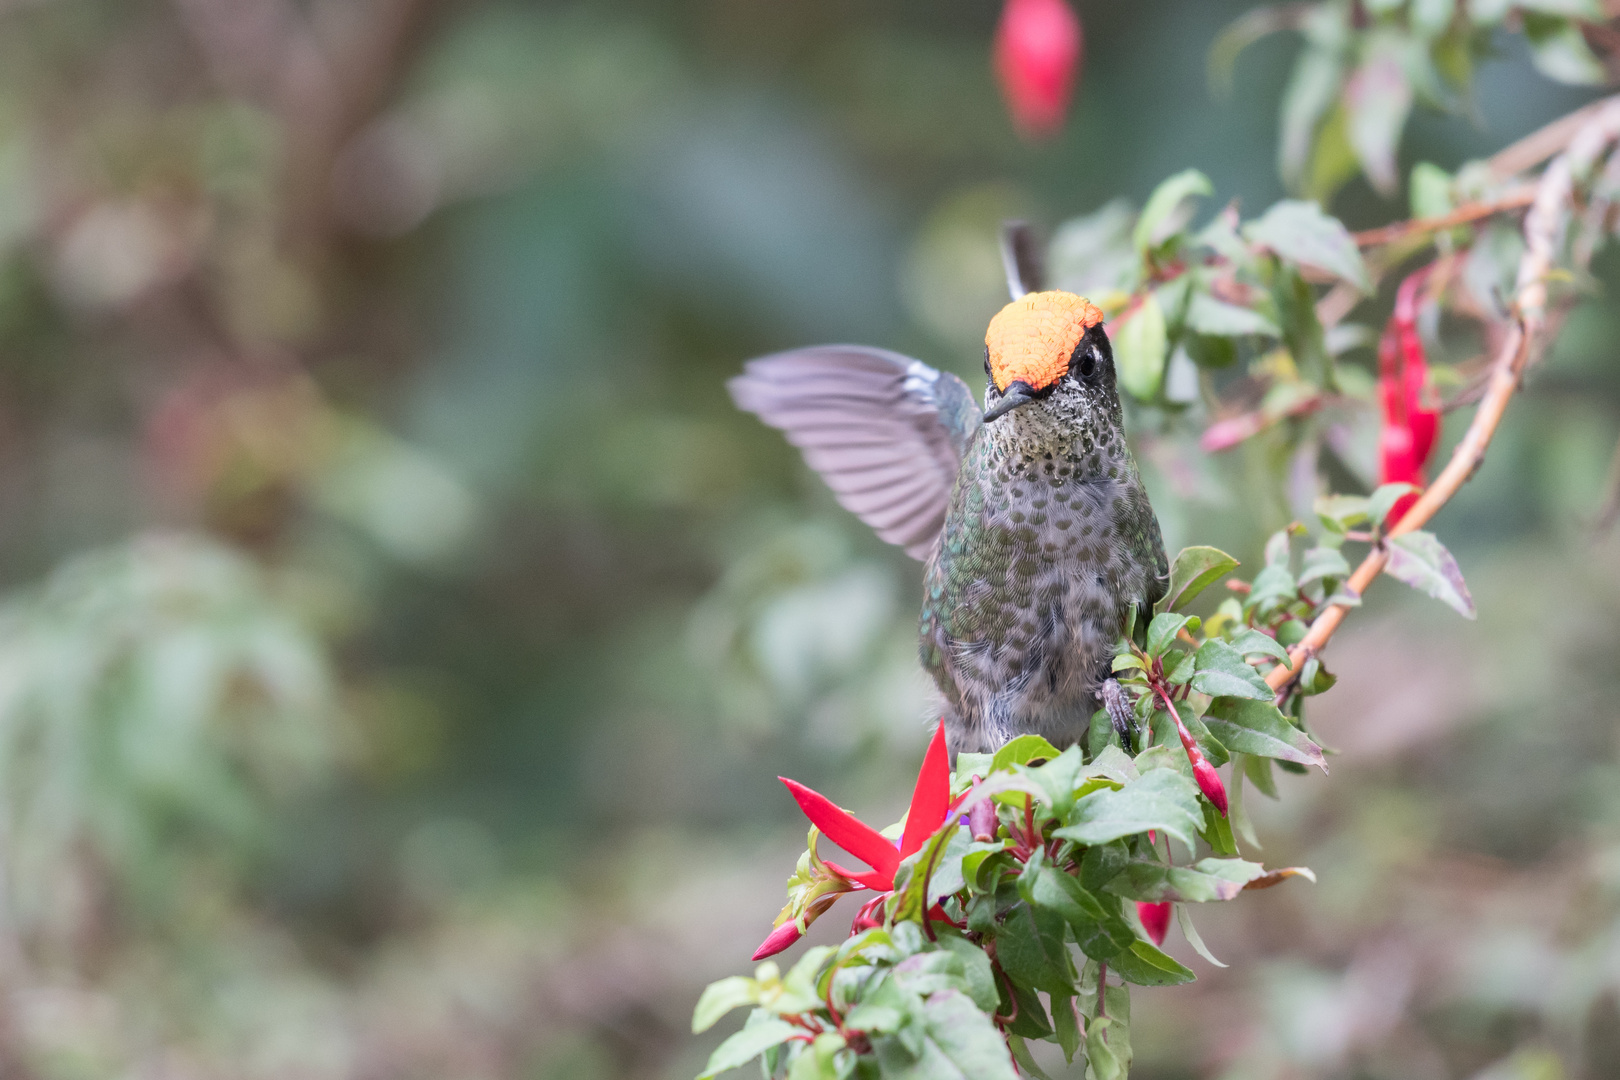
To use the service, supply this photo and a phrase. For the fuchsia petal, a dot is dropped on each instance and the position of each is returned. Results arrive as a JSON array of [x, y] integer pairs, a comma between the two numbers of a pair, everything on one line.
[[1155, 920], [931, 796], [780, 938], [845, 829], [872, 879]]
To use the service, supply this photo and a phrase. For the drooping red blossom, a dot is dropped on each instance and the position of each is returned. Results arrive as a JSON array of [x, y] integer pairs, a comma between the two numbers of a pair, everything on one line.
[[1155, 919], [930, 806], [1411, 421], [1037, 58]]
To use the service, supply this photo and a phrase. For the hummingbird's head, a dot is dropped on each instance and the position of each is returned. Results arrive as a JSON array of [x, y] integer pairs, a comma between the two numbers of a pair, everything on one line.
[[1049, 347]]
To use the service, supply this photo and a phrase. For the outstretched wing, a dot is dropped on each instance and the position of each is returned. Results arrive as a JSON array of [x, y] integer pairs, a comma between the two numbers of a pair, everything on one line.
[[886, 432]]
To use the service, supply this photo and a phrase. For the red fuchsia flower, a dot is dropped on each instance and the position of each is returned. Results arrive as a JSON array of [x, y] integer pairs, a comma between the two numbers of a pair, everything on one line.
[[1037, 57], [1411, 420], [930, 806], [1209, 781], [1155, 919]]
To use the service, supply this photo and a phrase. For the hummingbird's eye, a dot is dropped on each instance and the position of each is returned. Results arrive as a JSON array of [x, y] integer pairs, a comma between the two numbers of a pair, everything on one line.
[[1084, 361]]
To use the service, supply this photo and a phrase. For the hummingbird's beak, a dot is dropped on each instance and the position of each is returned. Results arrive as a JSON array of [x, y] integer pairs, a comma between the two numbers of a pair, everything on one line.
[[1017, 393]]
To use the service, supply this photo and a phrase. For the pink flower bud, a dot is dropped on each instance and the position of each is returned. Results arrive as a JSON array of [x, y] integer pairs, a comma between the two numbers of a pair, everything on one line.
[[1037, 55], [870, 915], [1155, 920], [1209, 782], [780, 938]]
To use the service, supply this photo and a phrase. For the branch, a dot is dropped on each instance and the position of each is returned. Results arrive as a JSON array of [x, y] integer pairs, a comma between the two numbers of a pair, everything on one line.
[[1599, 125], [1464, 214]]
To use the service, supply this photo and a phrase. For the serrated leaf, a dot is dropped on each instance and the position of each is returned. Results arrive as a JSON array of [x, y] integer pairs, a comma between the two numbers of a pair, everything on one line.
[[1030, 948], [1420, 560], [1140, 345], [957, 1039], [977, 972], [1161, 799], [1259, 729], [1251, 641], [1099, 932], [1301, 232], [1157, 216], [1146, 965], [1204, 881], [1222, 672], [746, 1045], [1163, 629], [1194, 570], [720, 998]]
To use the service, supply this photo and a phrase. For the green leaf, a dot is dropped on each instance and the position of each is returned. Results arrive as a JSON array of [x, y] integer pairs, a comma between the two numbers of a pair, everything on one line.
[[977, 973], [1145, 965], [957, 1040], [1320, 563], [1163, 629], [1300, 232], [1023, 750], [1031, 950], [1378, 98], [1422, 561], [1021, 1054], [1067, 1022], [1102, 1059], [760, 1035], [1559, 51], [1190, 932], [1156, 221], [1217, 318], [912, 901], [1204, 881], [1251, 641], [1222, 672], [1031, 1021], [1341, 513], [1258, 769], [1429, 190], [1258, 728], [1217, 831], [1161, 799], [1140, 345], [1313, 88], [1195, 569], [720, 998], [1099, 932], [1383, 500]]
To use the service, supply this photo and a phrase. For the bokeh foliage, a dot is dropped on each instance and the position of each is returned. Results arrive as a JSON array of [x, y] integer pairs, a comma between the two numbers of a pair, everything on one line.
[[403, 628]]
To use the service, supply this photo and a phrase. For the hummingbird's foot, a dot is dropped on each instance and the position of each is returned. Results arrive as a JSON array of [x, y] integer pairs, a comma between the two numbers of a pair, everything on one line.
[[1119, 711]]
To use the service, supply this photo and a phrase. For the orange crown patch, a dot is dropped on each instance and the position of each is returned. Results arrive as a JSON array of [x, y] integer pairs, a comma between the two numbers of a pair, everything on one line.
[[1031, 339]]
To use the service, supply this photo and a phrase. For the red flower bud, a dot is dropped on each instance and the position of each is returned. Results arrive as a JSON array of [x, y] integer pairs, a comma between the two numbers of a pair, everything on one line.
[[1037, 57], [1411, 417], [1209, 782], [1155, 920], [870, 915], [780, 938]]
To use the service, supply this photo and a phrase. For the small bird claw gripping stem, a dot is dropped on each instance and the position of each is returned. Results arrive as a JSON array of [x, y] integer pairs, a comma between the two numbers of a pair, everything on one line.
[[1119, 711]]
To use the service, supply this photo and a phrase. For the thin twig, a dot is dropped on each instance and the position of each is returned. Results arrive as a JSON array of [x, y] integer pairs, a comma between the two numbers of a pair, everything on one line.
[[1544, 142], [1401, 230], [1554, 192]]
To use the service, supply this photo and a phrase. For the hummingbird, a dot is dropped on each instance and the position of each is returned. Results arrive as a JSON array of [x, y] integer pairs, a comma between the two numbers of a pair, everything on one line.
[[1028, 512]]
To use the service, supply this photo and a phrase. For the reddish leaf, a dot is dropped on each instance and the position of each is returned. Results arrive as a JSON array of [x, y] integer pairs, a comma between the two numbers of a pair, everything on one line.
[[931, 796], [845, 829]]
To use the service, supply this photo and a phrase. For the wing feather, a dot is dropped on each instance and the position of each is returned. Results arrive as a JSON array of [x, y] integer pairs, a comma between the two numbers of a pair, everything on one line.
[[886, 432]]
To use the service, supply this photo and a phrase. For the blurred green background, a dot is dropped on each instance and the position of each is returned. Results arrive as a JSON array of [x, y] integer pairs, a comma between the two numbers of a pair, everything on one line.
[[403, 632]]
